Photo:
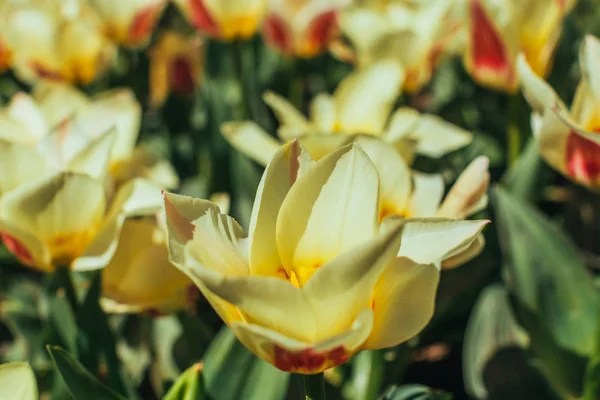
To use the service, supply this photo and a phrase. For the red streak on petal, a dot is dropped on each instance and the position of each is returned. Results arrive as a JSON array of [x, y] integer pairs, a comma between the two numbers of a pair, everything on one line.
[[488, 48], [17, 248], [46, 73], [322, 29], [308, 361], [582, 158], [142, 25], [202, 19], [277, 34], [181, 76]]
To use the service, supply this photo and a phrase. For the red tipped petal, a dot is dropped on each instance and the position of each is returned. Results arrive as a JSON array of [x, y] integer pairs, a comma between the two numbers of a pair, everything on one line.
[[17, 249], [309, 361], [277, 34], [322, 29], [143, 24], [202, 19], [582, 158]]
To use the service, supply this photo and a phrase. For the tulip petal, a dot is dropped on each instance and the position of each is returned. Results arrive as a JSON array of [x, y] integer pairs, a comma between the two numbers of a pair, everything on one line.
[[251, 140], [428, 190], [25, 246], [20, 164], [296, 356], [365, 98], [461, 257], [590, 62], [320, 145], [538, 93], [432, 240], [279, 176], [323, 114], [285, 112], [402, 122], [468, 194], [93, 160], [330, 209], [18, 381], [394, 176], [553, 135], [341, 288], [59, 101], [436, 137], [22, 108], [403, 302]]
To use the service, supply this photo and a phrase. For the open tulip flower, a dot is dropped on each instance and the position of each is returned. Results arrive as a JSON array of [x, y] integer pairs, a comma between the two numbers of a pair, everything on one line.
[[302, 28], [51, 39], [131, 22], [140, 277], [317, 278], [68, 220], [499, 30], [569, 141], [224, 19], [176, 64], [417, 35], [361, 105]]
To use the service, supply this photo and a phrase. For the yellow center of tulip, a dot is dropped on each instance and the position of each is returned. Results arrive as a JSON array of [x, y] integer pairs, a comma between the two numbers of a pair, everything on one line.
[[67, 247], [243, 27]]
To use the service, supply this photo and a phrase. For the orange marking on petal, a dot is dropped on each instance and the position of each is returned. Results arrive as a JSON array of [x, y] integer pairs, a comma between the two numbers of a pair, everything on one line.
[[202, 19], [277, 34], [321, 31], [17, 249], [309, 361], [142, 25], [582, 158]]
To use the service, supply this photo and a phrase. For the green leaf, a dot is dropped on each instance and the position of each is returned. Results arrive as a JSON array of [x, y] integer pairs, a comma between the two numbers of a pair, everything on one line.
[[526, 177], [415, 392], [17, 382], [546, 273], [231, 372], [367, 375], [189, 386], [82, 385]]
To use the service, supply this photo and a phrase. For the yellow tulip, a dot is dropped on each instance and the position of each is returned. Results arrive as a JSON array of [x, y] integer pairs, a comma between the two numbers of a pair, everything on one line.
[[361, 105], [68, 220], [499, 30], [416, 35], [18, 382], [131, 22], [176, 64], [140, 277], [569, 140], [55, 40], [302, 28], [224, 19], [316, 279]]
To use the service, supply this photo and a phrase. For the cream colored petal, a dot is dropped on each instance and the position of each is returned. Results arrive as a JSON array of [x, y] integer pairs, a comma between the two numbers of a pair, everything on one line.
[[286, 113], [94, 158], [402, 122], [552, 136], [22, 108], [468, 195], [293, 355], [425, 199], [341, 288], [589, 60], [323, 113], [364, 27], [330, 209], [365, 98], [538, 93], [29, 249], [222, 200], [278, 178], [59, 101], [63, 143], [394, 176], [403, 302], [20, 164], [320, 145], [251, 140], [465, 255], [436, 137], [18, 382], [431, 240], [180, 212]]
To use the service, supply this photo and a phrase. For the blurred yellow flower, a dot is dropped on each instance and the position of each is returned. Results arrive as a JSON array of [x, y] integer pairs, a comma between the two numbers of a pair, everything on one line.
[[140, 277], [130, 22], [176, 64], [316, 280], [361, 105], [18, 382], [569, 141], [499, 30], [417, 35], [58, 40], [67, 219], [302, 28], [224, 19]]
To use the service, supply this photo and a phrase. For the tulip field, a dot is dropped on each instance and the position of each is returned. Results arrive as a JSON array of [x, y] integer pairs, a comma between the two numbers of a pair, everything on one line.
[[299, 199]]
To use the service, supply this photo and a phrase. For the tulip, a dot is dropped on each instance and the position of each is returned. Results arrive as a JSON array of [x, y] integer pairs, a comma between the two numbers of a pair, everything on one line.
[[361, 105], [176, 64], [67, 220], [499, 30], [18, 382], [417, 36], [302, 28], [131, 22], [316, 279], [569, 141], [224, 19], [55, 40], [140, 276]]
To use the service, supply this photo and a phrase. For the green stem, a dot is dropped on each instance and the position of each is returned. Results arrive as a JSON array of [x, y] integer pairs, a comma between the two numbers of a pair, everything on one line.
[[61, 280], [314, 387], [513, 139]]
